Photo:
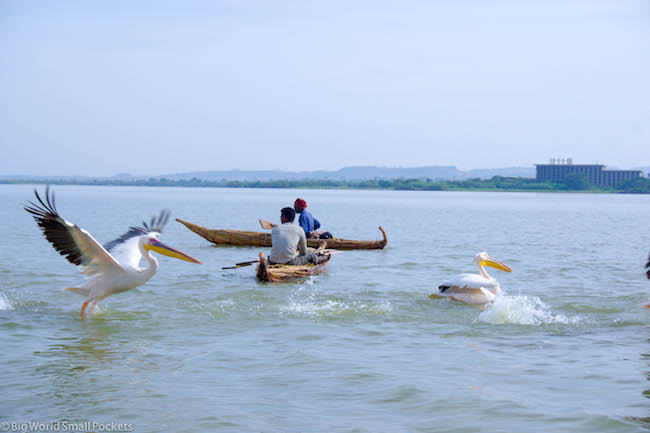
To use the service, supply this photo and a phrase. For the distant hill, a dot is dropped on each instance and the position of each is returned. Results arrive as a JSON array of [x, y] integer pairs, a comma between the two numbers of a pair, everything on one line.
[[360, 173], [28, 177], [489, 173], [435, 173]]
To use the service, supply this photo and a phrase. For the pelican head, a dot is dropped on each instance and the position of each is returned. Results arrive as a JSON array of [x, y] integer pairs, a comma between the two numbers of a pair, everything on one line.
[[151, 242], [482, 259]]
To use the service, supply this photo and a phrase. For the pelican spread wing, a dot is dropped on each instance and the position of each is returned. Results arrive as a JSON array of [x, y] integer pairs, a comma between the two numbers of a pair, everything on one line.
[[71, 241], [125, 248]]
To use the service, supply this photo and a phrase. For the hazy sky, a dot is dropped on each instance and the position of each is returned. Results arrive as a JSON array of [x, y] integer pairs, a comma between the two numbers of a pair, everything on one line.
[[98, 88]]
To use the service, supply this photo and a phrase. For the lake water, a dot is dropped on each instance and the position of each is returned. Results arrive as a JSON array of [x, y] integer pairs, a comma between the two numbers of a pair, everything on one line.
[[360, 348]]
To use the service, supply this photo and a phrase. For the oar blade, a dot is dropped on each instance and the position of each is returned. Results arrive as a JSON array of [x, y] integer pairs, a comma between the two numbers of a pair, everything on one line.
[[266, 225]]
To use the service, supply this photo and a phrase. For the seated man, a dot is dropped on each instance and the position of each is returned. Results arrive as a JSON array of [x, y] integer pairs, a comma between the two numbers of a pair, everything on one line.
[[308, 223], [285, 238]]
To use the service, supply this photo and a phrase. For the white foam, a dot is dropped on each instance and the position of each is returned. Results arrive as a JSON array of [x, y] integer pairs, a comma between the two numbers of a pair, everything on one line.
[[4, 303], [218, 306], [522, 310], [334, 308], [223, 304]]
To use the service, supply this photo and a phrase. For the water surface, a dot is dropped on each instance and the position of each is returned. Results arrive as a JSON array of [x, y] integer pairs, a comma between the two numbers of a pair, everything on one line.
[[360, 348]]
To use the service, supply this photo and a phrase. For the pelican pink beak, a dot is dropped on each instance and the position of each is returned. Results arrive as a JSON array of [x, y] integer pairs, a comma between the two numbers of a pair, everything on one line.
[[159, 247]]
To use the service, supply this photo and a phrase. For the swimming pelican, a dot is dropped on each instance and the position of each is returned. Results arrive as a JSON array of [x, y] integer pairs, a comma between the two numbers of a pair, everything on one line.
[[112, 268], [472, 288]]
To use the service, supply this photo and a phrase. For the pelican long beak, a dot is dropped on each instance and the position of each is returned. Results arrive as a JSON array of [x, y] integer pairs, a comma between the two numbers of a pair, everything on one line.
[[494, 263], [166, 250]]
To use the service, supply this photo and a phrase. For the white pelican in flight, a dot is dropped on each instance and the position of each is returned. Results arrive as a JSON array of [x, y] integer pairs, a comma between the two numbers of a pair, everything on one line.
[[112, 268], [472, 288]]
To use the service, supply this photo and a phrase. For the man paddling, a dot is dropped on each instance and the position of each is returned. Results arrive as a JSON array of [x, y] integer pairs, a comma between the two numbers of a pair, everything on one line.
[[308, 223], [289, 244]]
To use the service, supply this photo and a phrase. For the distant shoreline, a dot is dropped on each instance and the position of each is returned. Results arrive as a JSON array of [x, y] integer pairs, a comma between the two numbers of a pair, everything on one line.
[[495, 184]]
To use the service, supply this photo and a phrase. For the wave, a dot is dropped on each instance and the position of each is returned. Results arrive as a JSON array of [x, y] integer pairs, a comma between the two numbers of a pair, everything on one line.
[[4, 303], [523, 310]]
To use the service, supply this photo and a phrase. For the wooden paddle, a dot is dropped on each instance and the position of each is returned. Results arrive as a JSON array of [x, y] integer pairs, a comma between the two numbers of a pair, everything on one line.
[[266, 225], [241, 265]]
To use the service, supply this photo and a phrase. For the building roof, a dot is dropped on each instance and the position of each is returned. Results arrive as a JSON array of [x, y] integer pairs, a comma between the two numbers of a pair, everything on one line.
[[572, 165]]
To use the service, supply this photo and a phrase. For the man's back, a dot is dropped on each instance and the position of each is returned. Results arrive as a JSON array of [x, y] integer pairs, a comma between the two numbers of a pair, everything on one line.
[[284, 240], [308, 222]]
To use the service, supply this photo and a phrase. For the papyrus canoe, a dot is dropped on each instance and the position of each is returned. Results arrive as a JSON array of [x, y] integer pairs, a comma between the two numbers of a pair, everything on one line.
[[279, 273], [257, 239]]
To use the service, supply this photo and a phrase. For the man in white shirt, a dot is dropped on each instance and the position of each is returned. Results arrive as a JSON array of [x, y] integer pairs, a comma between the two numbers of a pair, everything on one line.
[[289, 244]]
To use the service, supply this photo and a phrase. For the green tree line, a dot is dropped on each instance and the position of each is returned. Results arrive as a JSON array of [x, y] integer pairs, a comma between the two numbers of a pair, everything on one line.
[[573, 182]]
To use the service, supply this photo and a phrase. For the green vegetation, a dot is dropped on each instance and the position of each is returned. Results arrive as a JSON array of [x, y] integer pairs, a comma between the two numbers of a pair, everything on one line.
[[574, 182], [636, 186], [577, 182]]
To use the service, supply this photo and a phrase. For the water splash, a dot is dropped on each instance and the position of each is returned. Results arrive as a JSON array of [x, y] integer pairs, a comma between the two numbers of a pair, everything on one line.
[[306, 302], [523, 310], [4, 303], [333, 308]]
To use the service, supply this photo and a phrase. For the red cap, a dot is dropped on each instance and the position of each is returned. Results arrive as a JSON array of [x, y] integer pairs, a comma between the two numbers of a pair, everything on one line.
[[300, 203]]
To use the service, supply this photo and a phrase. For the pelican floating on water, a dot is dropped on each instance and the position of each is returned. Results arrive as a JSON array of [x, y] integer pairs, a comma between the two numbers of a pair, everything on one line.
[[472, 288], [112, 268]]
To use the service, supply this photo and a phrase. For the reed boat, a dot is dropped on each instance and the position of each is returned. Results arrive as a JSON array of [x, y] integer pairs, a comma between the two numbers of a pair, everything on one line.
[[280, 273], [257, 239]]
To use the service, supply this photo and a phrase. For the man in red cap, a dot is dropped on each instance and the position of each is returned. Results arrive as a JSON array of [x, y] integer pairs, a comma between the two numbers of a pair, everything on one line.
[[308, 223]]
